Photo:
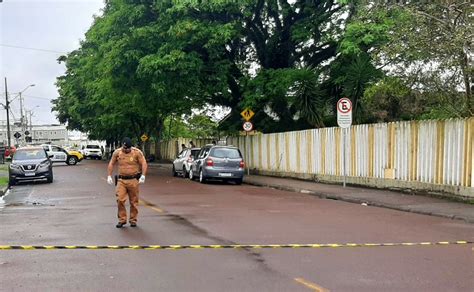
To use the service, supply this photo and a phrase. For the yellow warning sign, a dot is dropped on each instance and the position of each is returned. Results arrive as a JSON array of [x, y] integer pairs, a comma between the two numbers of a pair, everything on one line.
[[144, 138], [247, 114]]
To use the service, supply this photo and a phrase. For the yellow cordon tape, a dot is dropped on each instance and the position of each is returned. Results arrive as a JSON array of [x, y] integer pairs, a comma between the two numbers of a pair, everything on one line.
[[231, 246]]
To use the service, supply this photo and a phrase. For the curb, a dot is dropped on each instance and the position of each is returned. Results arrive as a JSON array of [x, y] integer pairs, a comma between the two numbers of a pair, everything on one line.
[[358, 201], [3, 190]]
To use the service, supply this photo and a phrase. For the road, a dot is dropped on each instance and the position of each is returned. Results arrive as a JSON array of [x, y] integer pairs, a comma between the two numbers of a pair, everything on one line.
[[79, 209]]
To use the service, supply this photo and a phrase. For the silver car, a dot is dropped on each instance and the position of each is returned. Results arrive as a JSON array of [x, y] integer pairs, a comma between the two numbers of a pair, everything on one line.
[[218, 162], [30, 164], [182, 164]]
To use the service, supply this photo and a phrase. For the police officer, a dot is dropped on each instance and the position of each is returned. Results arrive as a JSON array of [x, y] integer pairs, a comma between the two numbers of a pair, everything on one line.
[[132, 168]]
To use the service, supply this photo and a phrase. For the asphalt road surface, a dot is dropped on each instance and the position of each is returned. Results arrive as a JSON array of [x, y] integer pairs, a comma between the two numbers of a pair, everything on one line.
[[78, 209]]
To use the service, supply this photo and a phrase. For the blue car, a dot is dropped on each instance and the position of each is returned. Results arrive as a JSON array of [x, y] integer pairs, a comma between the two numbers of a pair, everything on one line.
[[218, 163]]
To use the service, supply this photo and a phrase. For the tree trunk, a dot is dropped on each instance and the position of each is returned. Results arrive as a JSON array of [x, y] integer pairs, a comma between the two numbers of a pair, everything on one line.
[[157, 134]]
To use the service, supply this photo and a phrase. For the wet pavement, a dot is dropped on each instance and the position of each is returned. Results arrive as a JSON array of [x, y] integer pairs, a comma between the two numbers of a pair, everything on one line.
[[78, 209], [414, 203]]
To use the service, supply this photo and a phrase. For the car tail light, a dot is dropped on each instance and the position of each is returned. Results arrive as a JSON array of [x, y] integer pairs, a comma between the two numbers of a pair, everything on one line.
[[242, 164], [209, 162]]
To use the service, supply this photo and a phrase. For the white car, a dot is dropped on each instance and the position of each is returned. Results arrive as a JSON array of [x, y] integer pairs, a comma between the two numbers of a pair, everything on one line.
[[92, 151], [182, 164], [59, 154]]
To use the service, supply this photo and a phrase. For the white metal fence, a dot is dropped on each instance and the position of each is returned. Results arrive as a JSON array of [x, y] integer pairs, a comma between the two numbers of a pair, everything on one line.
[[436, 152]]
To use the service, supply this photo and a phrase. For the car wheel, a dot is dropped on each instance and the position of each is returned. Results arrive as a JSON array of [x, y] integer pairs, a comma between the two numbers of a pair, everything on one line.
[[72, 160], [11, 181], [174, 172], [185, 173], [202, 179], [50, 178], [238, 181]]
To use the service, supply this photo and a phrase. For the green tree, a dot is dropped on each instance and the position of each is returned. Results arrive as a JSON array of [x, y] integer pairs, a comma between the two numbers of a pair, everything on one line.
[[116, 84], [259, 53], [429, 49]]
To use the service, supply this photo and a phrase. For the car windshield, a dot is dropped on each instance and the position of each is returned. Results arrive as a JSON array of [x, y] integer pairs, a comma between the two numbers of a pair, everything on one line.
[[93, 146], [225, 153], [27, 154]]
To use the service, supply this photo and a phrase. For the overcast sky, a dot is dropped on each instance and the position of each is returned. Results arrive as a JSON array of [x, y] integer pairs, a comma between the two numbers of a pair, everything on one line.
[[50, 28]]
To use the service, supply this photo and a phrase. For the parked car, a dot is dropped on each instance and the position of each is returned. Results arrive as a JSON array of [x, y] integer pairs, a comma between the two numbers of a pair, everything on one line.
[[30, 163], [218, 162], [93, 152], [60, 154], [182, 164]]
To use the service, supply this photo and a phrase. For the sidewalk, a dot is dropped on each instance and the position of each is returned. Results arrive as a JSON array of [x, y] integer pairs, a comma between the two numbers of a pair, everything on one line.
[[372, 197]]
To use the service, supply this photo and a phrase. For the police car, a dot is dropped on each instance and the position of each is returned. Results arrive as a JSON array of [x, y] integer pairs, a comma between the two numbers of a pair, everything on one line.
[[59, 154]]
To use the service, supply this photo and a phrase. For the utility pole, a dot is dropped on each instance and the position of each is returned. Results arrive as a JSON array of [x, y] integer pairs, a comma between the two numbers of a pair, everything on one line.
[[22, 117], [7, 108]]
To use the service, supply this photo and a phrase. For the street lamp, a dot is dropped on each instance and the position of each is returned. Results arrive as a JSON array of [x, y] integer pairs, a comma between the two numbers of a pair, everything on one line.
[[22, 116], [7, 108]]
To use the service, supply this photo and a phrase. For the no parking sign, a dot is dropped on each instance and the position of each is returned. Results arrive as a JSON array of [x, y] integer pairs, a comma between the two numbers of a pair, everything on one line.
[[344, 112]]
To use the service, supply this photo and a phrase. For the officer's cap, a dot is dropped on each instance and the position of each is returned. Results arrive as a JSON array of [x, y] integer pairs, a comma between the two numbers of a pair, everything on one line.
[[127, 143]]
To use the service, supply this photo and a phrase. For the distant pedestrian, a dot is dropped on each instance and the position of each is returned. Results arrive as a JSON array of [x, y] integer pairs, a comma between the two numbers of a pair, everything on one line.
[[214, 142], [132, 168], [191, 144], [183, 146]]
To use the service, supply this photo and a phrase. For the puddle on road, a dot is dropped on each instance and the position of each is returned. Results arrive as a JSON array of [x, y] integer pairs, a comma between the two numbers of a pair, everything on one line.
[[20, 197]]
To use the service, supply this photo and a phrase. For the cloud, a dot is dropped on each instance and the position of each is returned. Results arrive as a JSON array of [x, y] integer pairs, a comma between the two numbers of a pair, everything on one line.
[[43, 25]]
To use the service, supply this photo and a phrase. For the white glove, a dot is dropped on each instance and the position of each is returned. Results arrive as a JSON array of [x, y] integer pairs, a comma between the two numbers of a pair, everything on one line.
[[142, 179], [110, 181]]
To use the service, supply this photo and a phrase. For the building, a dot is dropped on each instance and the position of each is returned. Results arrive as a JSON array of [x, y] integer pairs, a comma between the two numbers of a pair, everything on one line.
[[55, 134]]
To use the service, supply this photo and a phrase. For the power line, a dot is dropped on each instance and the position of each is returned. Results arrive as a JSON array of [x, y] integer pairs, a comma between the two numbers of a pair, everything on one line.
[[40, 97], [32, 49], [27, 95]]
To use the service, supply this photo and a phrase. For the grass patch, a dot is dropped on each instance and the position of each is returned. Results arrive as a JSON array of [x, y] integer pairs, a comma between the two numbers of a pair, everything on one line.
[[4, 174], [4, 167], [3, 181]]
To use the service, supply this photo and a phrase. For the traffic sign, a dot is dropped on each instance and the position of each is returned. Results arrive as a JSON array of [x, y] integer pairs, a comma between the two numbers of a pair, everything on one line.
[[17, 135], [248, 126], [247, 114], [144, 138], [344, 112]]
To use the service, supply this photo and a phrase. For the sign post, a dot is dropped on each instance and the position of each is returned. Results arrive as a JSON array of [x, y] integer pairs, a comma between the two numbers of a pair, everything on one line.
[[344, 120], [144, 138], [247, 114]]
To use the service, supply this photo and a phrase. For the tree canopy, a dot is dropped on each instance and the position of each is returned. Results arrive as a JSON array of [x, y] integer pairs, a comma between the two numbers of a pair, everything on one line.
[[144, 63]]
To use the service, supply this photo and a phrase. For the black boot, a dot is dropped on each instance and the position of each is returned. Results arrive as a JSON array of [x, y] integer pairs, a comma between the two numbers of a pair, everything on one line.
[[120, 225]]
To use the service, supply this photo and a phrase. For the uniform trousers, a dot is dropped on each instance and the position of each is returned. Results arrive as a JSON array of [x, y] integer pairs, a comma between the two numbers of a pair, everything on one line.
[[127, 188]]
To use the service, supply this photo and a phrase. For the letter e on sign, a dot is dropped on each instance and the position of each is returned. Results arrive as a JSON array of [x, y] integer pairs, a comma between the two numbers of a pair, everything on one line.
[[344, 112]]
